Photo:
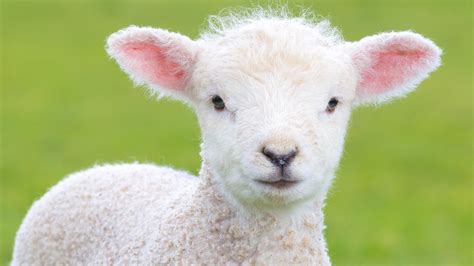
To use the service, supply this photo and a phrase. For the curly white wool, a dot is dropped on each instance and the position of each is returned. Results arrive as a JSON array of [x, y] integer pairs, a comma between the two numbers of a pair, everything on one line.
[[134, 214]]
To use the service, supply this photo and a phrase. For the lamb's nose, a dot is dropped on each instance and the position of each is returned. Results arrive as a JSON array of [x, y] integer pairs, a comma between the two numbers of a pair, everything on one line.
[[280, 160]]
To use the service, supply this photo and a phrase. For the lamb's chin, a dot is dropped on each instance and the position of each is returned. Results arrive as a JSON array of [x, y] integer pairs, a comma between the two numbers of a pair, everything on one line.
[[278, 185], [279, 196]]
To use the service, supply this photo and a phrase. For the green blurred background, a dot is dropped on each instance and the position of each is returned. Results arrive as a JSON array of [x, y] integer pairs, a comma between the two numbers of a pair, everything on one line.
[[404, 189]]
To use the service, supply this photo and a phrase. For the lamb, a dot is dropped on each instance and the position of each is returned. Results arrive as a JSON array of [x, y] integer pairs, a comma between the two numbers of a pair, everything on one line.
[[273, 95]]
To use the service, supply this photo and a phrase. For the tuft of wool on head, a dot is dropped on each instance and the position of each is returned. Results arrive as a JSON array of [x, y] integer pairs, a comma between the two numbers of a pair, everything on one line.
[[232, 20]]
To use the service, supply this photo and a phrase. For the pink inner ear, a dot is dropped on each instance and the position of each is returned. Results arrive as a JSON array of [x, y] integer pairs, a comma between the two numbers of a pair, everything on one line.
[[391, 66], [150, 62]]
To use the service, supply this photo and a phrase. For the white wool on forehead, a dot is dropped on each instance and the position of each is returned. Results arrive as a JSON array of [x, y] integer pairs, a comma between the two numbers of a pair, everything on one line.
[[233, 20]]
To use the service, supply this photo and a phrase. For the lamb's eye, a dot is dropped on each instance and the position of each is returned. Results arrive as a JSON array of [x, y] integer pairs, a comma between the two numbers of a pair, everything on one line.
[[332, 105], [219, 104]]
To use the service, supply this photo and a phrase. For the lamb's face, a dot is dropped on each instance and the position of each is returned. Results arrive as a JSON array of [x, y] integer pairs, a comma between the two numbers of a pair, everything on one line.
[[273, 119], [274, 96]]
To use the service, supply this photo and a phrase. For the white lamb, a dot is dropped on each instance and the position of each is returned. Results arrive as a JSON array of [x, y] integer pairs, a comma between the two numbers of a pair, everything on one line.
[[273, 95]]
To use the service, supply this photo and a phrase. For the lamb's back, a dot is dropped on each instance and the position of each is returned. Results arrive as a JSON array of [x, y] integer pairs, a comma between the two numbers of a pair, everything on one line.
[[100, 213]]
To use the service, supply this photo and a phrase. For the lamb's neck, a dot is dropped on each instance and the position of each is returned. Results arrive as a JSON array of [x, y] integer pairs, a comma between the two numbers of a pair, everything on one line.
[[259, 235]]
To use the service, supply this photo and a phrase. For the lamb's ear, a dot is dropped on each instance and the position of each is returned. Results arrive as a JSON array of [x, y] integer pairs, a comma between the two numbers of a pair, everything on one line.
[[392, 64], [160, 59]]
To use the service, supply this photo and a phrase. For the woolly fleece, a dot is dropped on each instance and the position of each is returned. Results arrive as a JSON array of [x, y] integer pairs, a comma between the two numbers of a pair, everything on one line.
[[134, 214]]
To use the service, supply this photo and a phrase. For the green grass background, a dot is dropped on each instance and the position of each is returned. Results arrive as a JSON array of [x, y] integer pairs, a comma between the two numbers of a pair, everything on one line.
[[404, 190]]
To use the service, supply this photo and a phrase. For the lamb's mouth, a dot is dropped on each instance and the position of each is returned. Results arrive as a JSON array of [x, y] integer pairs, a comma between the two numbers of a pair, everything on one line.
[[279, 184]]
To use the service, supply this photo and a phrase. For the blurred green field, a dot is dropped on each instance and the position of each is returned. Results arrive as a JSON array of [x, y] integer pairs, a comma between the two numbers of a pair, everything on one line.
[[404, 192]]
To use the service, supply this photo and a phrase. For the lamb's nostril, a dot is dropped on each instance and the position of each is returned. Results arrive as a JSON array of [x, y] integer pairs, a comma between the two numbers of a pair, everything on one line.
[[280, 160]]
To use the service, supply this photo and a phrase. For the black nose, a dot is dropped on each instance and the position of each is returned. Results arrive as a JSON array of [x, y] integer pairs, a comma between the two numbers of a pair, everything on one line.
[[280, 160]]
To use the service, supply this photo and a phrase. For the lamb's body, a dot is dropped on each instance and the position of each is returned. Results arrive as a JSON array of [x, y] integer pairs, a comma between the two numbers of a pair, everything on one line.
[[273, 96], [145, 214]]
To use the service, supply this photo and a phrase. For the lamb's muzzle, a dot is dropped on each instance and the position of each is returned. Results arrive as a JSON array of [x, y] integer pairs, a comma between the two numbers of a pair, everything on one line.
[[278, 159]]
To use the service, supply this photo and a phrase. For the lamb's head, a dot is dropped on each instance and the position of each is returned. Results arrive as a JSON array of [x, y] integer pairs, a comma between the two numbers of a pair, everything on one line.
[[274, 95]]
